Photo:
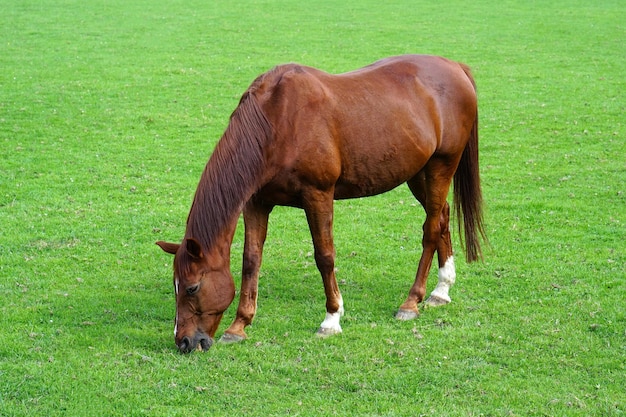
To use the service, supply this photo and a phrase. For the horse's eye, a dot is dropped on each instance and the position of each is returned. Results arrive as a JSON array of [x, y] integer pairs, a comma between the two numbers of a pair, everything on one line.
[[193, 289]]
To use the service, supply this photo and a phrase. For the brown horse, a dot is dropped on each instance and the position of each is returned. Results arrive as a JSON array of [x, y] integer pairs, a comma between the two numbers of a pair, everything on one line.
[[301, 137]]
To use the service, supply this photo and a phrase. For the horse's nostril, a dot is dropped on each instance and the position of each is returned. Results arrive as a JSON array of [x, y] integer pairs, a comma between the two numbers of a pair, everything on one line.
[[206, 343], [185, 345], [201, 341]]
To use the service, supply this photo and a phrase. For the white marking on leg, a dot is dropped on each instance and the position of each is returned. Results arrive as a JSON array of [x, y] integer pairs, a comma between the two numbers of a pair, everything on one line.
[[176, 286], [447, 277], [331, 322]]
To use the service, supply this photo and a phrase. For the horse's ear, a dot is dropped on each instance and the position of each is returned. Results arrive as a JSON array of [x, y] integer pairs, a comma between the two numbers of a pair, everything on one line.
[[168, 247], [194, 248]]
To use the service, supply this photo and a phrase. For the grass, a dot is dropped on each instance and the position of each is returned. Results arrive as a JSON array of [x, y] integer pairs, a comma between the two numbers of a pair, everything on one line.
[[108, 112]]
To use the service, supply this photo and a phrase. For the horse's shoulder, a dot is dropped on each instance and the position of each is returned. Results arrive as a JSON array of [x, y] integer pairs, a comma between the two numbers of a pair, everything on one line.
[[292, 83]]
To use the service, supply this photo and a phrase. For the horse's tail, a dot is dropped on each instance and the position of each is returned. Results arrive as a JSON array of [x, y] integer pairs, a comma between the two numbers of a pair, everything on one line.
[[467, 193]]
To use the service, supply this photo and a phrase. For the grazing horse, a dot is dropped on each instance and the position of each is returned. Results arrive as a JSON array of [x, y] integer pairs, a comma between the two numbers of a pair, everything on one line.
[[301, 137]]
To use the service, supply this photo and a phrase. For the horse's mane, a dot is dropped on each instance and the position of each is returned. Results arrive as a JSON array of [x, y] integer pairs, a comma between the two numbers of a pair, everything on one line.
[[233, 171]]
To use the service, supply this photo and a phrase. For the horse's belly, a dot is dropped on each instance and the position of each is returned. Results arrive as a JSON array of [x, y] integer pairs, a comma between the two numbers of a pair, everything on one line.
[[378, 171], [345, 191], [288, 190], [385, 177]]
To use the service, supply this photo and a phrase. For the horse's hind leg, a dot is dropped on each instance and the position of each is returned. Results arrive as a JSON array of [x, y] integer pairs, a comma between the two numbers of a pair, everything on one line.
[[447, 272], [430, 187]]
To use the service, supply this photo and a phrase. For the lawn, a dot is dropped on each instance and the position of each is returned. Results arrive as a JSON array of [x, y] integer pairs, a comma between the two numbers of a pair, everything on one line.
[[108, 113]]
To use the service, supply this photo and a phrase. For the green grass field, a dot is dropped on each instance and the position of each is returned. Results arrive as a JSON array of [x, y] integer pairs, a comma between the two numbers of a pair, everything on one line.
[[108, 113]]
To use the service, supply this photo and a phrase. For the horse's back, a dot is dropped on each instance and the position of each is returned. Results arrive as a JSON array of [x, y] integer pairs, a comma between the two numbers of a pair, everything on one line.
[[366, 131], [418, 79], [429, 90]]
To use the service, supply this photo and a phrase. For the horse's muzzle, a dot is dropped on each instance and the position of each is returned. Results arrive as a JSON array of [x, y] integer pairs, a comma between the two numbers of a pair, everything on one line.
[[201, 340]]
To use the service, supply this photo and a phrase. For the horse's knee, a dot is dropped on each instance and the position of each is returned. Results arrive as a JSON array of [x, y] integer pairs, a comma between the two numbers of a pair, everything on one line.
[[325, 261], [251, 263]]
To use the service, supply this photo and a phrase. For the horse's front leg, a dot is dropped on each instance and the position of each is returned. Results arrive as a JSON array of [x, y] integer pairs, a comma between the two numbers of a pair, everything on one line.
[[255, 216], [318, 206]]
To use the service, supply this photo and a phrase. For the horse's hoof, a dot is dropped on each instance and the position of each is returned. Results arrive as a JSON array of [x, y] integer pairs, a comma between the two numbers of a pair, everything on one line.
[[434, 301], [327, 331], [229, 338], [406, 315]]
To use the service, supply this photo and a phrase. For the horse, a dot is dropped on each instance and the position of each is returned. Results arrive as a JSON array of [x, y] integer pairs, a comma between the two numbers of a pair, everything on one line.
[[303, 138]]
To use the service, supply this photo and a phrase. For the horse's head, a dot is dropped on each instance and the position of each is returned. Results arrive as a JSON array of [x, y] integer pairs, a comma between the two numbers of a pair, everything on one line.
[[204, 289]]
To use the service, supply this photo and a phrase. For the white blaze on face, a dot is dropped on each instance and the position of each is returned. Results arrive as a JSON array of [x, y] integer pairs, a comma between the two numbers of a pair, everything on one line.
[[176, 322]]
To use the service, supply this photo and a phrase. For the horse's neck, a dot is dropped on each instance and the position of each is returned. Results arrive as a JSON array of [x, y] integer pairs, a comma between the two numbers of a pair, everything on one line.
[[217, 205], [218, 250], [225, 240], [231, 176]]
